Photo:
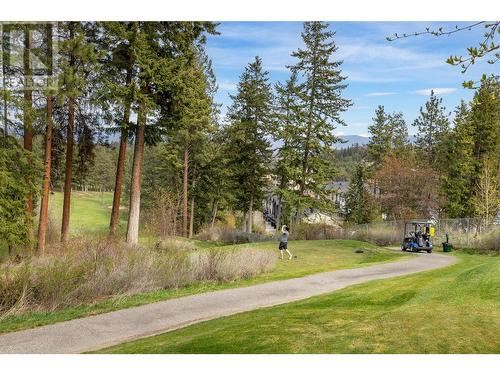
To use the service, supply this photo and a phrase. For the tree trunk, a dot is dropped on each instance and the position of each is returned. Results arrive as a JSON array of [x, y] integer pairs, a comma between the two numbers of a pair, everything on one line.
[[4, 85], [278, 216], [250, 215], [28, 120], [68, 172], [44, 205], [214, 213], [69, 153], [120, 167], [42, 226], [191, 216], [135, 188], [185, 191]]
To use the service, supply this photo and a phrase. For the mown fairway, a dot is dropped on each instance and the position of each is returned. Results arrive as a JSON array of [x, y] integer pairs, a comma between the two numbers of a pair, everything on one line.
[[450, 310]]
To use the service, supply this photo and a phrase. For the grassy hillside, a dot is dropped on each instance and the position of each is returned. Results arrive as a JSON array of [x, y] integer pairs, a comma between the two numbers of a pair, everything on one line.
[[450, 310], [90, 212]]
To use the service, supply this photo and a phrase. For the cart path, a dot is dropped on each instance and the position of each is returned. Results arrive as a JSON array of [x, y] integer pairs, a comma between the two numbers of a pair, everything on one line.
[[104, 330]]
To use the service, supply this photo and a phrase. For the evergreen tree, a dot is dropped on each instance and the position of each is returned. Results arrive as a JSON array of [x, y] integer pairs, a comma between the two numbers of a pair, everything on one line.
[[118, 78], [160, 48], [432, 128], [28, 114], [78, 57], [320, 88], [19, 173], [380, 137], [399, 131], [193, 106], [460, 165], [360, 204], [288, 116], [250, 117], [485, 121], [388, 135], [44, 204]]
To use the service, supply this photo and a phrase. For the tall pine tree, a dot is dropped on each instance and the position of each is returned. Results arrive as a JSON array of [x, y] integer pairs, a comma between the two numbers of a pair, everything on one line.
[[320, 89], [432, 128], [388, 135], [460, 165], [360, 204], [77, 57], [250, 117], [288, 116]]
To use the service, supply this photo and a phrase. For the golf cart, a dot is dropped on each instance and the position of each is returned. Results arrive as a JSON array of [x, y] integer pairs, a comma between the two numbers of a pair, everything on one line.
[[418, 236]]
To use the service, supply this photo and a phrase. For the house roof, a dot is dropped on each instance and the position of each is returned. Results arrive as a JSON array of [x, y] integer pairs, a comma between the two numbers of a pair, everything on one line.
[[340, 186]]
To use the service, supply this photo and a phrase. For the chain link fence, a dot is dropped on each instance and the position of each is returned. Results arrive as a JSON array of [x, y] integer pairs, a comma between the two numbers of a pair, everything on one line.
[[462, 232]]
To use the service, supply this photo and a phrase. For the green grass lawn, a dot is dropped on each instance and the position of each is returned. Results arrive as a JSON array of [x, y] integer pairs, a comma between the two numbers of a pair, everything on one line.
[[89, 215], [313, 257], [321, 256], [451, 310], [90, 212]]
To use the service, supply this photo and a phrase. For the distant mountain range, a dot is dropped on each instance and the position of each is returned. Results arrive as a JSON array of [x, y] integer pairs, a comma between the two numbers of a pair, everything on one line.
[[351, 140]]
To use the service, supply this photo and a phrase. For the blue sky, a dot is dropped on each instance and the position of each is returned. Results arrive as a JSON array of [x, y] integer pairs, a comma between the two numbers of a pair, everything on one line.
[[398, 75]]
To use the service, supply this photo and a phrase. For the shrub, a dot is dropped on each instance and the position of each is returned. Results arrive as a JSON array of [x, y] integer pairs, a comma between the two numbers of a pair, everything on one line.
[[483, 243], [379, 235], [86, 271], [224, 265], [52, 231], [160, 217], [227, 235], [173, 243], [309, 231]]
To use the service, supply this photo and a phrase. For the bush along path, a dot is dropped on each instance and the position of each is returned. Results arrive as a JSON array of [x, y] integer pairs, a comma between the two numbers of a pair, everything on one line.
[[100, 331]]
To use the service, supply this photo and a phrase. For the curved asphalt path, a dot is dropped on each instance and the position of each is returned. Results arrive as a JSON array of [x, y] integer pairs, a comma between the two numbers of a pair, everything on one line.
[[104, 330]]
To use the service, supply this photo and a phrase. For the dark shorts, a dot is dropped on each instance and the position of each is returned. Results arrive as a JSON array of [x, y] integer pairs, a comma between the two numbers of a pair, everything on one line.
[[283, 245]]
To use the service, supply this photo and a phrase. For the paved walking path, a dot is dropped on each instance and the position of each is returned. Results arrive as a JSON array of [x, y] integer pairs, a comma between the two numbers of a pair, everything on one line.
[[100, 331]]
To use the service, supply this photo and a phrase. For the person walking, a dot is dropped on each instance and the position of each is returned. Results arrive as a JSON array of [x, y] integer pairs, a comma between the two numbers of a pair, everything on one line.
[[284, 242]]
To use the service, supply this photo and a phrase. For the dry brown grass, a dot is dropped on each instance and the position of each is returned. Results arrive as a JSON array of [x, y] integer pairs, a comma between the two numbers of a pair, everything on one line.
[[87, 271], [227, 235]]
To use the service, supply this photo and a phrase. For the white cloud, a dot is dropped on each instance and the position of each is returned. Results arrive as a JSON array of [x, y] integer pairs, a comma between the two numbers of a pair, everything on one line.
[[369, 77], [227, 86], [274, 59], [356, 107], [437, 91], [359, 50], [380, 93]]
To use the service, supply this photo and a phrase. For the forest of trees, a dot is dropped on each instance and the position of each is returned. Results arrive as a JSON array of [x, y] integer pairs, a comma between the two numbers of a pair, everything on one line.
[[129, 107], [451, 169]]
